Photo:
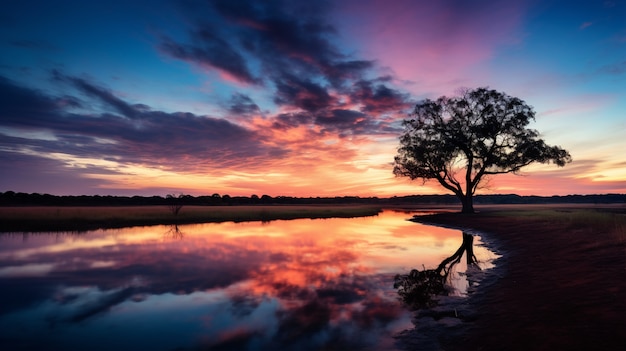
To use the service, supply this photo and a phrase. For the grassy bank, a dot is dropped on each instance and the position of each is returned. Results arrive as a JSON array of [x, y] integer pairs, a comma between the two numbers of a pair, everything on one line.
[[559, 283], [33, 219], [576, 218], [602, 220]]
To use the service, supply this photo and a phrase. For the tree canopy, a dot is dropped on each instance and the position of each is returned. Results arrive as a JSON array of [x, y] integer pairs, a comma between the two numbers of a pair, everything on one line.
[[459, 141]]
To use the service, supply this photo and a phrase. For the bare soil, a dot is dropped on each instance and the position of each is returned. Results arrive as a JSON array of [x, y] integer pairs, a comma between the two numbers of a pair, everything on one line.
[[558, 286]]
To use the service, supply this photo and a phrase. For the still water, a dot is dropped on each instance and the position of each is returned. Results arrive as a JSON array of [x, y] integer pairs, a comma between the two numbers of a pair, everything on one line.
[[289, 285]]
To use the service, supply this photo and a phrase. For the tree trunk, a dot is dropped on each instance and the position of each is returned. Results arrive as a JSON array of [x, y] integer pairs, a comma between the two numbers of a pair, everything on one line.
[[468, 203]]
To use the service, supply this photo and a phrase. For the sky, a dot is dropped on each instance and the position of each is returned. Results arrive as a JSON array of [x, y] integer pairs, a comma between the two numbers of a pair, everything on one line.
[[294, 98]]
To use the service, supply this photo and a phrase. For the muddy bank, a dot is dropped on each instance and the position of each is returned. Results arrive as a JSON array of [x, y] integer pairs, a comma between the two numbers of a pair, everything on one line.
[[559, 285]]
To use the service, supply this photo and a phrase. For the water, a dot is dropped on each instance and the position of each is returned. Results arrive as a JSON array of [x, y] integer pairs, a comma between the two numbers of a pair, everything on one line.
[[290, 285]]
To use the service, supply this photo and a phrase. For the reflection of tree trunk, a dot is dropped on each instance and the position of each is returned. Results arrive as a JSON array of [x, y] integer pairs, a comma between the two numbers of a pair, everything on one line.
[[417, 288], [174, 232], [466, 246]]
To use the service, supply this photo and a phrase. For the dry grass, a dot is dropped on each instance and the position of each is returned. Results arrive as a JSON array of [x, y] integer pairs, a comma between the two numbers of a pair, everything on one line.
[[29, 219], [600, 220], [559, 283]]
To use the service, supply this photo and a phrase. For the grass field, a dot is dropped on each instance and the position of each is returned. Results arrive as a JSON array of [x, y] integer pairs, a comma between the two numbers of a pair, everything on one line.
[[559, 284], [607, 219], [33, 219]]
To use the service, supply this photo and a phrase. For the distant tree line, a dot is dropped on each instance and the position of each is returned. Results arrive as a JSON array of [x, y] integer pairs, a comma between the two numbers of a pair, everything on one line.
[[511, 199], [10, 198]]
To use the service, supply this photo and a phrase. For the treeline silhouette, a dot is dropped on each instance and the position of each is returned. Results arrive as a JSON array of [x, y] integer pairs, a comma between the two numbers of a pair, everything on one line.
[[10, 198]]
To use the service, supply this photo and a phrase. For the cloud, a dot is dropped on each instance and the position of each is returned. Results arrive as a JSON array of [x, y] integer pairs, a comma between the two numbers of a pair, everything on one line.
[[378, 98], [212, 51], [24, 172], [101, 305], [585, 25], [24, 106], [292, 47], [301, 93], [344, 122], [267, 31], [125, 132], [99, 93], [285, 35], [341, 117], [335, 122], [433, 45], [241, 104], [614, 69], [93, 134]]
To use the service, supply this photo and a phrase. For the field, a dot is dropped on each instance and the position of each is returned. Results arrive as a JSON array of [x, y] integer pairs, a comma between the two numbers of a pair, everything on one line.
[[32, 219], [560, 283]]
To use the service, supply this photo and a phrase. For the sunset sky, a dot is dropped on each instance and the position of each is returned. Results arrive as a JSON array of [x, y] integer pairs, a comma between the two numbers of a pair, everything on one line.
[[296, 98]]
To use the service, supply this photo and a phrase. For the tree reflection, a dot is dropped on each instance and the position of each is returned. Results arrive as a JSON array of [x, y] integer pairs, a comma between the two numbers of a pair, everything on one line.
[[174, 232], [417, 288]]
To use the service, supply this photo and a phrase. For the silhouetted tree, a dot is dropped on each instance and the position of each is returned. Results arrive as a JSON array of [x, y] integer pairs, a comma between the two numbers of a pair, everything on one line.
[[459, 141], [175, 203]]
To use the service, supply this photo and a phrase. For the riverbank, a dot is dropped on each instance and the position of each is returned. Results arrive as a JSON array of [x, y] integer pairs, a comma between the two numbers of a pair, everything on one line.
[[62, 218], [560, 284]]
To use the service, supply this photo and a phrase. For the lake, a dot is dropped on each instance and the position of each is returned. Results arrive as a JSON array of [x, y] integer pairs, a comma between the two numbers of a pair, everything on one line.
[[290, 285]]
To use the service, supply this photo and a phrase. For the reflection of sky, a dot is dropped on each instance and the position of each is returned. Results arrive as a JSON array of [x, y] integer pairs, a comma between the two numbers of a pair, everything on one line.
[[298, 284]]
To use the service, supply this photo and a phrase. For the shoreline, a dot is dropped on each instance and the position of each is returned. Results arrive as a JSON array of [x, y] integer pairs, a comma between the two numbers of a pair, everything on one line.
[[556, 286], [445, 325], [81, 218]]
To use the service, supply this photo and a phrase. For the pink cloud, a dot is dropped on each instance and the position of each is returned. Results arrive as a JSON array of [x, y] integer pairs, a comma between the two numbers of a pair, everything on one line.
[[434, 44]]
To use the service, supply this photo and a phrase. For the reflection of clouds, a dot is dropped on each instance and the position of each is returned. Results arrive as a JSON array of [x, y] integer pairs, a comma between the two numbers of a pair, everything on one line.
[[244, 305], [27, 270], [76, 304], [302, 285]]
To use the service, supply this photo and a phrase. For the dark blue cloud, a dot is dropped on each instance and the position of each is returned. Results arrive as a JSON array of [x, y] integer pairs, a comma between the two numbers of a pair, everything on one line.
[[341, 117], [212, 51], [101, 94], [26, 107], [129, 132], [342, 122], [377, 97], [285, 121], [302, 93], [241, 104], [293, 50]]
